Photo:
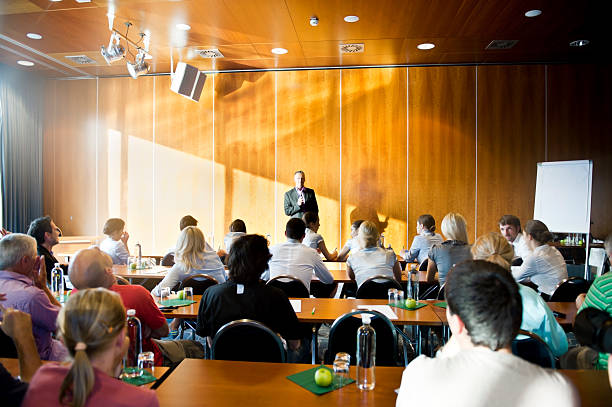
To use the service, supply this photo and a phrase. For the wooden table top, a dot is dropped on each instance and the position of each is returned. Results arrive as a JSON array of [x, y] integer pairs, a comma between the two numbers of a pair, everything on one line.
[[157, 272], [224, 383]]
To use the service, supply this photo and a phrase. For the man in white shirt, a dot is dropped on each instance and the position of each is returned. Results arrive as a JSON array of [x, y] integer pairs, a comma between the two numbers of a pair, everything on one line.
[[510, 228], [477, 367], [295, 259]]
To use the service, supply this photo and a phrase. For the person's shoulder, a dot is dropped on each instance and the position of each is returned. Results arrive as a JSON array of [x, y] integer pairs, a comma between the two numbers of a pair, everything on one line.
[[113, 390], [132, 291], [49, 372]]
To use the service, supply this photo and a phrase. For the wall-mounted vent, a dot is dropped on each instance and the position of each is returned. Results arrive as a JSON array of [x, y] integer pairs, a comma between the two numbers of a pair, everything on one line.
[[501, 44], [81, 59], [351, 48], [209, 53]]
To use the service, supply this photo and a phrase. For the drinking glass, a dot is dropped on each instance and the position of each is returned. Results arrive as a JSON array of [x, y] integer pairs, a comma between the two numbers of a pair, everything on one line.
[[399, 296], [392, 294], [132, 263], [146, 360], [164, 294], [341, 373], [188, 293]]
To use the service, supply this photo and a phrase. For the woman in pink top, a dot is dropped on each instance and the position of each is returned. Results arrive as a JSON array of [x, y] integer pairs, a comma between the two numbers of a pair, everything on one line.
[[92, 326]]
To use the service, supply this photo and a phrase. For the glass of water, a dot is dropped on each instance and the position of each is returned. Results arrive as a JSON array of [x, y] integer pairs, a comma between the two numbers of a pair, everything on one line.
[[146, 360], [164, 294], [188, 293], [392, 293], [341, 371]]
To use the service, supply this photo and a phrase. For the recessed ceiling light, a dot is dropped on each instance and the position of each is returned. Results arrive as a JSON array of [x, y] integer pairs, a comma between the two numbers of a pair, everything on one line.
[[55, 1], [25, 63], [34, 36], [579, 43], [426, 45], [351, 19], [533, 13], [279, 51], [183, 27]]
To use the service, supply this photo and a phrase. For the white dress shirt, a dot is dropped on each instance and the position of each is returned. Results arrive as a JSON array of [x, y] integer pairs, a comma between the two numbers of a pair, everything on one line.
[[370, 262], [295, 259], [229, 239], [116, 250], [312, 239], [520, 247], [210, 265], [545, 266]]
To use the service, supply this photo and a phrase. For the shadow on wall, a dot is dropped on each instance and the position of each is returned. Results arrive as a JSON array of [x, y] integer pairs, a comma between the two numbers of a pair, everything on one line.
[[225, 85], [368, 200]]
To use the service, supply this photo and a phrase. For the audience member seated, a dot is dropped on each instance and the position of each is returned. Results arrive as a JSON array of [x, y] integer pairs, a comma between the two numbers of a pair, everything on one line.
[[115, 244], [23, 278], [295, 259], [245, 296], [236, 229], [185, 221], [191, 257], [18, 326], [351, 244], [92, 325], [371, 260], [47, 235], [545, 266], [456, 249], [537, 316], [510, 227], [477, 368], [424, 240], [315, 240], [92, 268]]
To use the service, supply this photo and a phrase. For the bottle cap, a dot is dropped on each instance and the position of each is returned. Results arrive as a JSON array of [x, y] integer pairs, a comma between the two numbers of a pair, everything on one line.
[[131, 313], [366, 319], [58, 264]]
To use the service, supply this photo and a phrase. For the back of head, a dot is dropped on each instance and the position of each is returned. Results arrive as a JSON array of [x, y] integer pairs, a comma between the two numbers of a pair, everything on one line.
[[510, 220], [38, 228], [368, 234], [454, 227], [608, 245], [113, 225], [295, 228], [87, 269], [88, 323], [237, 226], [428, 222], [486, 298], [310, 217], [187, 220], [248, 259], [494, 248], [190, 247], [539, 231], [14, 247], [355, 225]]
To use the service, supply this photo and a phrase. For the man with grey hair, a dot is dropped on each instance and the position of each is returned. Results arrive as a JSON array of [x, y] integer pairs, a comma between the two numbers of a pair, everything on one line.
[[300, 199], [23, 278]]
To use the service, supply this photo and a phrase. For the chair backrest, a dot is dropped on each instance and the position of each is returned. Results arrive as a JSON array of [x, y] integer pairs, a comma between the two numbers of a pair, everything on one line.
[[377, 287], [292, 286], [247, 340], [431, 293], [343, 338], [568, 289], [423, 265], [7, 346], [440, 295], [199, 283], [122, 280], [168, 260], [533, 349]]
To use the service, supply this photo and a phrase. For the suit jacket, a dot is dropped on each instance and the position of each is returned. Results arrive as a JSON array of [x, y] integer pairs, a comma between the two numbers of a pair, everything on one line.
[[293, 209]]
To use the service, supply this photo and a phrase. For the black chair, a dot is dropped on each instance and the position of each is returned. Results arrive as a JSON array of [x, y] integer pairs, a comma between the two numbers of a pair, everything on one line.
[[568, 289], [343, 338], [122, 280], [440, 295], [533, 349], [517, 261], [292, 286], [423, 265], [199, 283], [7, 346], [431, 293], [247, 340], [530, 284], [168, 260], [377, 287]]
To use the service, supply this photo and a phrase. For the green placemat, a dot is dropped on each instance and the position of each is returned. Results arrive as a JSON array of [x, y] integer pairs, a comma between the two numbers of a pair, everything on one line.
[[305, 379], [441, 304], [403, 306], [140, 380], [176, 303]]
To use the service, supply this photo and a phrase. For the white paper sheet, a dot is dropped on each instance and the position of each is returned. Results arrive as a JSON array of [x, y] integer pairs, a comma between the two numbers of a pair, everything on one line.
[[383, 309], [297, 305]]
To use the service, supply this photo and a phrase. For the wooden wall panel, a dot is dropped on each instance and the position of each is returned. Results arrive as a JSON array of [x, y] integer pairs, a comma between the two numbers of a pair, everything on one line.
[[580, 127], [308, 126], [244, 152], [511, 137], [374, 150], [442, 141]]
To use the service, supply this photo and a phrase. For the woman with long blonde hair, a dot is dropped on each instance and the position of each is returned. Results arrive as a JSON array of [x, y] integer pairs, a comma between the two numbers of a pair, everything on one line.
[[92, 325], [443, 256]]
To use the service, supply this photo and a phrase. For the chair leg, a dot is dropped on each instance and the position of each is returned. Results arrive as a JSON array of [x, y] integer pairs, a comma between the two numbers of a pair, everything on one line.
[[314, 344]]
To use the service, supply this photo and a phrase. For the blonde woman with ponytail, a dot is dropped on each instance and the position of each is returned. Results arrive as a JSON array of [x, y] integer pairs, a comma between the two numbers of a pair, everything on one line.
[[92, 326], [537, 316]]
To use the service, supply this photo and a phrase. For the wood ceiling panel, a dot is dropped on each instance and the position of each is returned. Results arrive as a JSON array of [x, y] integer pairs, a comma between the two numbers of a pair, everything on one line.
[[264, 20]]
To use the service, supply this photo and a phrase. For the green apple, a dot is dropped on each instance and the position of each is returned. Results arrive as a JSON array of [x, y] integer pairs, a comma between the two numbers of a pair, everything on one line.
[[323, 377], [410, 303], [133, 266]]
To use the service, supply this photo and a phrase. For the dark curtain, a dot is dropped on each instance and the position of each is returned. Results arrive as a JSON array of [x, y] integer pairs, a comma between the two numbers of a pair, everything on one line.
[[21, 139]]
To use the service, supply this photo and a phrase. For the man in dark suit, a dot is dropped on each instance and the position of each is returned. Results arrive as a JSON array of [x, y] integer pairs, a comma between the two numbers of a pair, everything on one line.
[[300, 199]]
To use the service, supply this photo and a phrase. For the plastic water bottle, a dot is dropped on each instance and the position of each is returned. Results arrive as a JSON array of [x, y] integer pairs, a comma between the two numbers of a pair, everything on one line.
[[134, 330], [57, 282], [366, 354], [413, 283]]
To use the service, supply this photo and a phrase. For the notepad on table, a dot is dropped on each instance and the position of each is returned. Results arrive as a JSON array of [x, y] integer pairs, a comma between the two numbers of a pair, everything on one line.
[[297, 305], [383, 309]]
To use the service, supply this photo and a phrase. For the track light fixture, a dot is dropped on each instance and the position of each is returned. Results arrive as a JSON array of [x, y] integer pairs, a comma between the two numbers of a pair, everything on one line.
[[139, 66], [115, 51]]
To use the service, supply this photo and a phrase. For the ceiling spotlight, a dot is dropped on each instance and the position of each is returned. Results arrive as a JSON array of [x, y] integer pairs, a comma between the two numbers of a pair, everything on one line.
[[139, 66], [533, 13], [115, 51], [579, 43], [314, 21], [426, 45], [279, 51], [25, 63], [183, 27], [34, 36], [351, 19]]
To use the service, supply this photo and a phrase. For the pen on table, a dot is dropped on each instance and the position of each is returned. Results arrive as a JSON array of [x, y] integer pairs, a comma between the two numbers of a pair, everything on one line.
[[313, 310]]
